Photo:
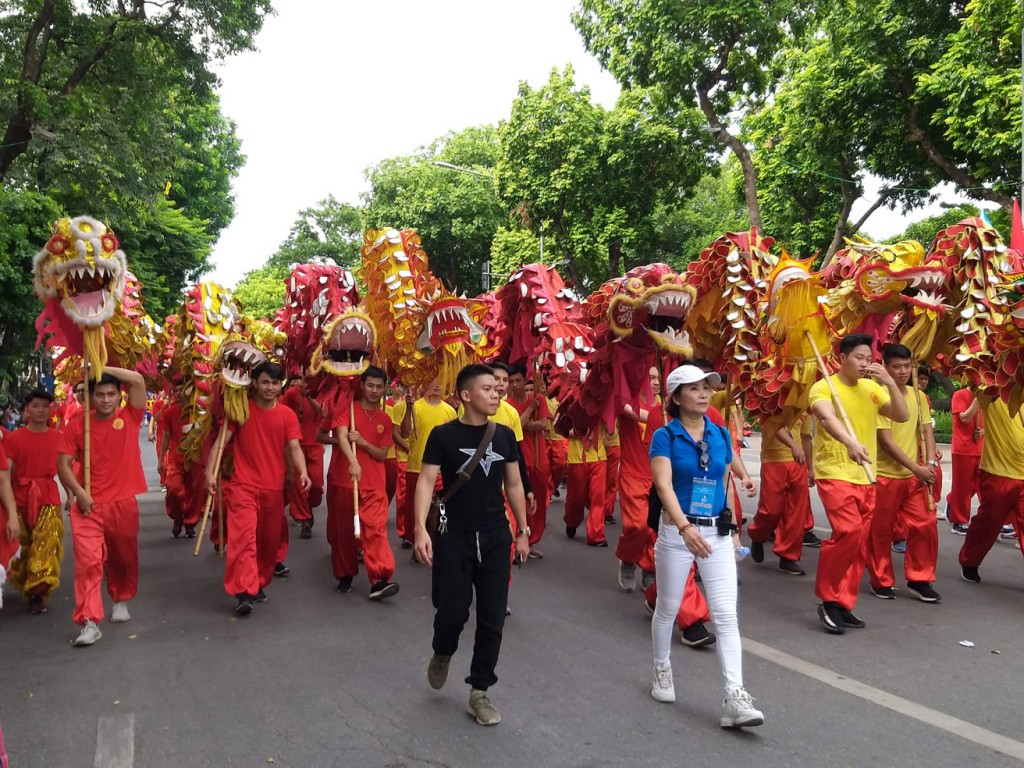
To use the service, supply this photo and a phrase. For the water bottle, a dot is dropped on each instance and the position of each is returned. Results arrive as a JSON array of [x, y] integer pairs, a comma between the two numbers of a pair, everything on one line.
[[741, 552]]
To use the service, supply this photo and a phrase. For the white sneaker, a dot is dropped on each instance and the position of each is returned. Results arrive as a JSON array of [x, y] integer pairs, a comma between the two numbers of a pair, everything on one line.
[[663, 689], [1008, 532], [90, 634], [943, 512], [738, 711], [119, 614], [627, 576]]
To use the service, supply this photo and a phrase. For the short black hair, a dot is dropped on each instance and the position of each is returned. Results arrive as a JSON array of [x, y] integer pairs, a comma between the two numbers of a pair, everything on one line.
[[468, 374], [849, 343], [517, 368], [106, 378], [39, 393], [498, 366], [373, 372], [703, 363], [273, 370], [924, 370], [892, 352]]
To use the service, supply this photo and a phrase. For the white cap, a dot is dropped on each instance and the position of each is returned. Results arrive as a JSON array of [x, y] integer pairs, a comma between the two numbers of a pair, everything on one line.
[[690, 374]]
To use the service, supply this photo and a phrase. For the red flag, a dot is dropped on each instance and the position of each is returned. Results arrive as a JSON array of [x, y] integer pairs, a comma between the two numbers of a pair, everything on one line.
[[1017, 229]]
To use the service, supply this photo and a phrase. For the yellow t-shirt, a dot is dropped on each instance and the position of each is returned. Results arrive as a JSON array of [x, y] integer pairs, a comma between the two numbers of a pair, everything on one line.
[[578, 456], [1002, 453], [773, 451], [506, 415], [550, 432], [396, 451], [905, 435], [862, 403], [424, 418]]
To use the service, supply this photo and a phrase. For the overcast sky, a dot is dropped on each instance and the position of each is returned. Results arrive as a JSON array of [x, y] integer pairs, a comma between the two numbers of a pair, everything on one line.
[[338, 85]]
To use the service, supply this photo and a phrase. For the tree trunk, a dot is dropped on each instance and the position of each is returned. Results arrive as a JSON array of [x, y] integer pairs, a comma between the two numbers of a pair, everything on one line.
[[615, 259], [734, 144]]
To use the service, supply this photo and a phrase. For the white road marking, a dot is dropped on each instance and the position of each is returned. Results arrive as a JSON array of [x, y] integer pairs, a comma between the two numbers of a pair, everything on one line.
[[115, 742], [911, 709]]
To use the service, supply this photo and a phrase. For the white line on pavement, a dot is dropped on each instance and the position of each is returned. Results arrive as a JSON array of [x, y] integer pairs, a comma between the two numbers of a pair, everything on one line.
[[933, 717], [115, 742]]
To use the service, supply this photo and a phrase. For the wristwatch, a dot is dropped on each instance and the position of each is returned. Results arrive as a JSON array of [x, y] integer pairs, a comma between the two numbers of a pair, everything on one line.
[[933, 463], [524, 532]]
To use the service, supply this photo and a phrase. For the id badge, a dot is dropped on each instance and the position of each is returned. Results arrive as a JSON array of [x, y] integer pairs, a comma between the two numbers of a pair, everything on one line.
[[702, 501]]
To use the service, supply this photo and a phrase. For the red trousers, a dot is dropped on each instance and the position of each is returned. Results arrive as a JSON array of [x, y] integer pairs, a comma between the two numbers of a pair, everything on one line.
[[849, 508], [586, 489], [999, 497], [636, 542], [692, 609], [255, 522], [373, 533], [106, 538], [558, 461], [901, 526], [301, 505], [185, 496], [964, 485], [390, 478], [611, 478], [539, 481], [906, 498], [216, 535], [783, 508]]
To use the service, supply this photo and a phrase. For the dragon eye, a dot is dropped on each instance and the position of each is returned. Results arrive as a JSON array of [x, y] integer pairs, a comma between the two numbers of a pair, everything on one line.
[[635, 284]]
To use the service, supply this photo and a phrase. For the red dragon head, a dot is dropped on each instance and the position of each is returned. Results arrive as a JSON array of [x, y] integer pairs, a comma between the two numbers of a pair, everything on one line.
[[648, 307]]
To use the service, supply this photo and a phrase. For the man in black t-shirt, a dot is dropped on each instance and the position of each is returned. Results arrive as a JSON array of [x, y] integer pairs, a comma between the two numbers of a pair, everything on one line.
[[472, 552]]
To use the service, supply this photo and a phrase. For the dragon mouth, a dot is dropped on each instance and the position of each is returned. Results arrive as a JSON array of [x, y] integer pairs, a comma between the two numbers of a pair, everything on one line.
[[349, 348], [448, 323], [666, 312], [926, 290], [88, 289], [238, 358], [922, 287], [784, 278]]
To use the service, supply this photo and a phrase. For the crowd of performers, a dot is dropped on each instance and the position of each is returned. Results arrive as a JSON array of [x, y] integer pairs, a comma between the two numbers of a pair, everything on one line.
[[395, 383]]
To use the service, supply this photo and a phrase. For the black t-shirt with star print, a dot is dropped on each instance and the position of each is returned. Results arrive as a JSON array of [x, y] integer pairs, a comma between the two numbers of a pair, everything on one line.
[[479, 504]]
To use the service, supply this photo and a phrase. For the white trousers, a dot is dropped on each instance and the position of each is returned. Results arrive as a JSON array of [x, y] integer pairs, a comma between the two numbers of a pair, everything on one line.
[[672, 563]]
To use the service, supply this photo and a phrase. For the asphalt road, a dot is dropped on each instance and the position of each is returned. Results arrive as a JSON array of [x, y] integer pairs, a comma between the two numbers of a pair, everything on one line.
[[316, 678]]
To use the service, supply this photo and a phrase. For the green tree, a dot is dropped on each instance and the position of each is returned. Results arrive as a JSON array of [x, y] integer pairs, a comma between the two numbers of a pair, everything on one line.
[[262, 290], [328, 230], [925, 230], [456, 212]]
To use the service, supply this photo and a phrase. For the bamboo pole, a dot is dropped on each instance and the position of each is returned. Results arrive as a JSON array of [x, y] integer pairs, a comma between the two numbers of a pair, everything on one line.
[[220, 519], [218, 455], [837, 402]]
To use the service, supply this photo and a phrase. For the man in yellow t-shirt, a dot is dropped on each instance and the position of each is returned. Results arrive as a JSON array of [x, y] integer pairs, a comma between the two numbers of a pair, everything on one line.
[[397, 460], [839, 470], [413, 421], [1001, 485], [785, 501], [586, 487], [904, 483], [558, 452]]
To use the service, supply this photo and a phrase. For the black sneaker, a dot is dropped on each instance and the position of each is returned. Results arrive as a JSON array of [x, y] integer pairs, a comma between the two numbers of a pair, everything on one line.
[[850, 620], [557, 494], [601, 543], [261, 596], [757, 551], [960, 529], [359, 556], [697, 635], [831, 618], [307, 530], [281, 570], [570, 531], [609, 520], [970, 574], [923, 591], [345, 585], [244, 607], [792, 567], [406, 544], [811, 539], [190, 531], [381, 590], [884, 593], [176, 529]]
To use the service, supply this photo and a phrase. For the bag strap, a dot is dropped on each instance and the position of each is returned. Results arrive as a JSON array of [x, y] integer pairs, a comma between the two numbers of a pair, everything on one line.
[[466, 473]]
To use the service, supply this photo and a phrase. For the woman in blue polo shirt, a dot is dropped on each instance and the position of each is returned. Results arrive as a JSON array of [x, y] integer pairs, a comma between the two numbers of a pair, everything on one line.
[[689, 460]]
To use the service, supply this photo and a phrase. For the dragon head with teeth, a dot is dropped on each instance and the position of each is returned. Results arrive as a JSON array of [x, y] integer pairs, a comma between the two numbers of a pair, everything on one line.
[[347, 347], [648, 307], [82, 265]]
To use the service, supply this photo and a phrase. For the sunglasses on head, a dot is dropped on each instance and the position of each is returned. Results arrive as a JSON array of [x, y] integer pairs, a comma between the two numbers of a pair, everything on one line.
[[705, 454]]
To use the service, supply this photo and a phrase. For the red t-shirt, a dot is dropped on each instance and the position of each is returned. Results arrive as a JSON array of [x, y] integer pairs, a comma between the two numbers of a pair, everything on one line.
[[260, 444], [309, 420], [635, 442], [375, 427], [173, 425], [116, 471], [35, 458], [963, 434], [3, 457], [158, 406], [533, 440], [72, 408]]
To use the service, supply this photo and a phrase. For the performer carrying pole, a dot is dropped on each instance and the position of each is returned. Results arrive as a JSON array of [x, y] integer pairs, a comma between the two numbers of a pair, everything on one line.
[[218, 456]]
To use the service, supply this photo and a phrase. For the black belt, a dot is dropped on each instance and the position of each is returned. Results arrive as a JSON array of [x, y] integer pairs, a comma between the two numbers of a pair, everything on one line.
[[709, 522]]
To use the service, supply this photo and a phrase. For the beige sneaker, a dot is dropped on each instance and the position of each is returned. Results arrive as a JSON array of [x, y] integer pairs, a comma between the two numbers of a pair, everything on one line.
[[88, 636], [481, 708], [437, 671], [119, 614]]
